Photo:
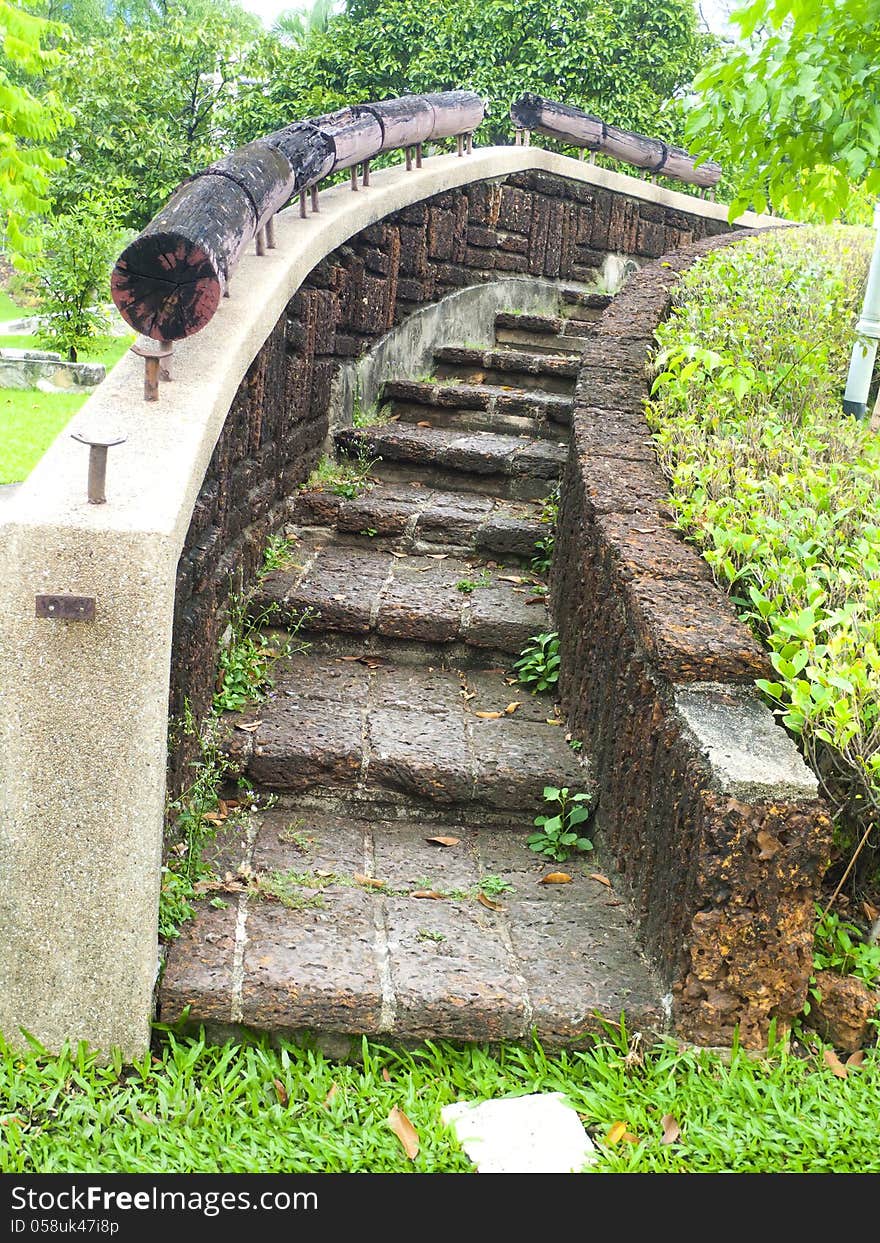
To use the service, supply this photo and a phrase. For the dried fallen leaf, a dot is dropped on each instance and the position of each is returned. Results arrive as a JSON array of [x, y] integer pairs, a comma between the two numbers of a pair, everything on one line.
[[331, 1095], [213, 818], [553, 721], [249, 727], [671, 1129], [423, 423], [280, 1091], [616, 1132], [437, 556], [511, 708], [484, 901], [405, 1132], [443, 841], [536, 600], [426, 893], [511, 578], [769, 844], [489, 716], [871, 912], [371, 882], [555, 878], [834, 1064], [628, 1138], [603, 880], [386, 1075], [855, 1060]]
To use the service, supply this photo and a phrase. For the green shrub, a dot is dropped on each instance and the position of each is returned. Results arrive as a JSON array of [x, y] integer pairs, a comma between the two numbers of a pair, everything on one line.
[[779, 489], [71, 275]]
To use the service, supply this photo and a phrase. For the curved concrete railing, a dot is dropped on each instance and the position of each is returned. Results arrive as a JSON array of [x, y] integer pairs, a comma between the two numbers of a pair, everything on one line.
[[83, 731]]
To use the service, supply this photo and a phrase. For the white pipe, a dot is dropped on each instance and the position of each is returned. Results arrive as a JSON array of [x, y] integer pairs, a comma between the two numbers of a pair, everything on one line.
[[861, 363]]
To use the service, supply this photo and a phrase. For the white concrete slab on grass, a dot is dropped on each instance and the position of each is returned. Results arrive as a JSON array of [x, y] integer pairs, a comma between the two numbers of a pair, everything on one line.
[[539, 1134]]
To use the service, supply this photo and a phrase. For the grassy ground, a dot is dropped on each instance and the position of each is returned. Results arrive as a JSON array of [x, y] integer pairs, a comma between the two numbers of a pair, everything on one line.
[[189, 1107], [8, 309], [30, 420]]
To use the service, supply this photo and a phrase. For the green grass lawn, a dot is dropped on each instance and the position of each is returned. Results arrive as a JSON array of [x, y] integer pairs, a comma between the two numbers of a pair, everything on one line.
[[246, 1108], [8, 309], [30, 420]]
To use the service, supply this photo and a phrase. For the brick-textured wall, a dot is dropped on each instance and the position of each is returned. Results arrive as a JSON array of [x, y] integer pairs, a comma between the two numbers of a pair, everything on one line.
[[527, 224], [724, 888]]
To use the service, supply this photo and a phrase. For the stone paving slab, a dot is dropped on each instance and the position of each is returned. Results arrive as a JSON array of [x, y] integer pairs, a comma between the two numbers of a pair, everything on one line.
[[345, 956], [359, 590], [406, 734]]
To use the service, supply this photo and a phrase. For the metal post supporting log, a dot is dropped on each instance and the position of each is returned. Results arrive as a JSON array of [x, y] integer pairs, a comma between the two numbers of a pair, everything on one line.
[[270, 233], [314, 193]]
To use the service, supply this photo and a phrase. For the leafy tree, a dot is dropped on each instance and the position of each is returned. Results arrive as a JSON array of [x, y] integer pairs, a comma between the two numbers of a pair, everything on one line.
[[27, 123], [294, 27], [624, 59], [796, 109], [71, 276], [143, 108]]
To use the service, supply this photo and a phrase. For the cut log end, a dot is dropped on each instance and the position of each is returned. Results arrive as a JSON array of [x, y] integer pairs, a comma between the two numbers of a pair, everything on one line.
[[166, 286]]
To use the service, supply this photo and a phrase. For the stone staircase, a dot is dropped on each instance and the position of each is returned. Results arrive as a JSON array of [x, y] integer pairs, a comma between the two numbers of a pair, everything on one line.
[[389, 890]]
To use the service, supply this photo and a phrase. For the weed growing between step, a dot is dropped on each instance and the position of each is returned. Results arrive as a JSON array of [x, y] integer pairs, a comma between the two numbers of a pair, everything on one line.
[[348, 477], [199, 811], [194, 818], [543, 558], [538, 665], [467, 586], [375, 415], [558, 837]]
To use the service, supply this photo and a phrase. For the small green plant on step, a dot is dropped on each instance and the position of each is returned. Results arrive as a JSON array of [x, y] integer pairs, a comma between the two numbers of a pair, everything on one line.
[[370, 416], [243, 667], [491, 886], [347, 478], [538, 665], [467, 586], [543, 558], [557, 837], [278, 553], [194, 818]]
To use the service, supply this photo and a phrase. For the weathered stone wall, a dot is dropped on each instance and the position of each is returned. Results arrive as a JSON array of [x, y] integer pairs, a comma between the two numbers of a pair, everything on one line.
[[716, 827], [527, 224]]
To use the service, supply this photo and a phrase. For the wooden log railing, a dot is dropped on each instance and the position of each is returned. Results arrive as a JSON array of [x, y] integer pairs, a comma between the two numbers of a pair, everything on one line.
[[532, 113], [167, 284]]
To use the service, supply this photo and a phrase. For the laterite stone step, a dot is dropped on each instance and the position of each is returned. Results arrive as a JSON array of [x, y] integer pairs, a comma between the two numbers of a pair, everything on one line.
[[349, 949], [351, 589], [480, 407], [582, 305], [520, 468], [419, 519], [360, 730], [548, 373], [543, 334]]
